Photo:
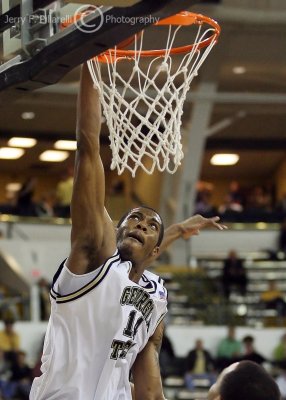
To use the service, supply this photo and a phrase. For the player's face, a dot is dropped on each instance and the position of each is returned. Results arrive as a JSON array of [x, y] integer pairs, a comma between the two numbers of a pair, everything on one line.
[[137, 236], [214, 392]]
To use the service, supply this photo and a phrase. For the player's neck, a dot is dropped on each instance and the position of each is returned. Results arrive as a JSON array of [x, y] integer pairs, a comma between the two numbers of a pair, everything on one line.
[[135, 274]]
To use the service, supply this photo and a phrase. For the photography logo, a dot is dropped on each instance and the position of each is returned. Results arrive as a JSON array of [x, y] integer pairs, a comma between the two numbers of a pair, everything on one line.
[[86, 24]]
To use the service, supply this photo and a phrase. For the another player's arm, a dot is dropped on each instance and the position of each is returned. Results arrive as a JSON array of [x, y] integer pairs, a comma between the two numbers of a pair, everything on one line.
[[93, 235], [146, 369], [187, 228]]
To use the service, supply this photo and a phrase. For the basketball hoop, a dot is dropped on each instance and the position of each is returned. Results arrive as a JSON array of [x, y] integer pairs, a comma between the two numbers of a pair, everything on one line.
[[143, 109]]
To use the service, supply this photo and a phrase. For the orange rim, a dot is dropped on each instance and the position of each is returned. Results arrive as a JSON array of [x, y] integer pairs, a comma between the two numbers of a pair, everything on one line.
[[184, 18]]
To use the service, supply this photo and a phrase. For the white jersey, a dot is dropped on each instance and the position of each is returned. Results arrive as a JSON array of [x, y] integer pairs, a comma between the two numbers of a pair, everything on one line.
[[95, 332]]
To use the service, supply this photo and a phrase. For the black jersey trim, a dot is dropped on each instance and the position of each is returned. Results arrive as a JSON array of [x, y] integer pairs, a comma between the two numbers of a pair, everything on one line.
[[89, 286], [152, 284], [57, 274], [161, 281]]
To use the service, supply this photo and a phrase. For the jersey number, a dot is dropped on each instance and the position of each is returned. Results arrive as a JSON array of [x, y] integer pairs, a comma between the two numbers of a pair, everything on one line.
[[132, 326], [120, 348]]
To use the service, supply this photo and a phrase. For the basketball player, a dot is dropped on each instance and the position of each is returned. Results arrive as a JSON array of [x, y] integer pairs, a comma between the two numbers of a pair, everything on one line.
[[244, 380], [107, 311]]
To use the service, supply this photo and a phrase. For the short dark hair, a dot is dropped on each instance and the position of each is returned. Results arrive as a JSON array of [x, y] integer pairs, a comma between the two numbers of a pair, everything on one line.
[[248, 339], [249, 381], [161, 232]]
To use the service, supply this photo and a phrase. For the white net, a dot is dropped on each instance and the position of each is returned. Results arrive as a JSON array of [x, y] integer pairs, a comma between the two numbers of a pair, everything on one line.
[[143, 105]]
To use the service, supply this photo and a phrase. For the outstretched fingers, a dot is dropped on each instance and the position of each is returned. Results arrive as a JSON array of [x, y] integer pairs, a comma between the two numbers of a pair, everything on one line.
[[216, 224]]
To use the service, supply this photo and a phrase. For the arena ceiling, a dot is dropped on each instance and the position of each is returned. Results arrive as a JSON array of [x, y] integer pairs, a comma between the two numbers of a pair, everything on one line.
[[248, 109]]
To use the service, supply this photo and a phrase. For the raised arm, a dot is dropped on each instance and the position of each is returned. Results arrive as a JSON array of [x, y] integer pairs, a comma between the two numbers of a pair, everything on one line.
[[93, 235], [187, 228], [146, 369]]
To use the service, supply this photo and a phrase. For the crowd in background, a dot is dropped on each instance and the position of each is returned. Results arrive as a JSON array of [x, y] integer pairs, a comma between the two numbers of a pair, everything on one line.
[[199, 365], [203, 366], [16, 374], [241, 204], [234, 279], [51, 204], [253, 203]]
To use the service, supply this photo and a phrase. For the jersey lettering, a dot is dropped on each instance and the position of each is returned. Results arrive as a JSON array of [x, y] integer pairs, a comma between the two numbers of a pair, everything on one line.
[[120, 348], [128, 331], [139, 298], [117, 346], [131, 329], [142, 303], [127, 347]]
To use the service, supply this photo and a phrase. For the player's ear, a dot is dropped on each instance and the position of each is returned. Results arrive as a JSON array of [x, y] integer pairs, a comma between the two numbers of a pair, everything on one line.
[[155, 252], [153, 255]]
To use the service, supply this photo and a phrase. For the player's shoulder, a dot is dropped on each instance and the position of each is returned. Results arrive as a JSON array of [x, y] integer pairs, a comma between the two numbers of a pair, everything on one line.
[[154, 284], [152, 276]]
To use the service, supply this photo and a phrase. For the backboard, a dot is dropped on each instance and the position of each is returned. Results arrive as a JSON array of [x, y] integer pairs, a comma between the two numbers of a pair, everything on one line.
[[36, 50]]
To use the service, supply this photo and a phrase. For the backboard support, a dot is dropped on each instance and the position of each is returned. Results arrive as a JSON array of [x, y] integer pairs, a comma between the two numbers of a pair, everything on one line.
[[48, 53]]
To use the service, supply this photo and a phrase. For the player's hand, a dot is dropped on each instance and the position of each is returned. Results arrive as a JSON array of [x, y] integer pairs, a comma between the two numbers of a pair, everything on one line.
[[194, 224]]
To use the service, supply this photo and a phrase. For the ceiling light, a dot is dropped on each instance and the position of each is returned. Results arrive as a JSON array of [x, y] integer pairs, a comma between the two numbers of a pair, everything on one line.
[[10, 153], [54, 156], [65, 144], [224, 159], [239, 70], [21, 142], [13, 186], [28, 115]]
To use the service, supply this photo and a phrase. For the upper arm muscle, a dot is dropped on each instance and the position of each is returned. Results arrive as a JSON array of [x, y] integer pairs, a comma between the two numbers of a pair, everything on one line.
[[93, 234], [146, 369]]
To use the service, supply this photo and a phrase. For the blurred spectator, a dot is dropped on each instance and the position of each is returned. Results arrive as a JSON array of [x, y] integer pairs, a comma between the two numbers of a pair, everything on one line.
[[21, 377], [5, 374], [167, 356], [9, 206], [64, 194], [229, 349], [259, 205], [249, 352], [235, 193], [44, 294], [282, 237], [259, 199], [25, 205], [230, 205], [9, 340], [273, 299], [230, 210], [170, 364], [233, 275], [199, 365], [203, 204], [279, 352], [45, 207]]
